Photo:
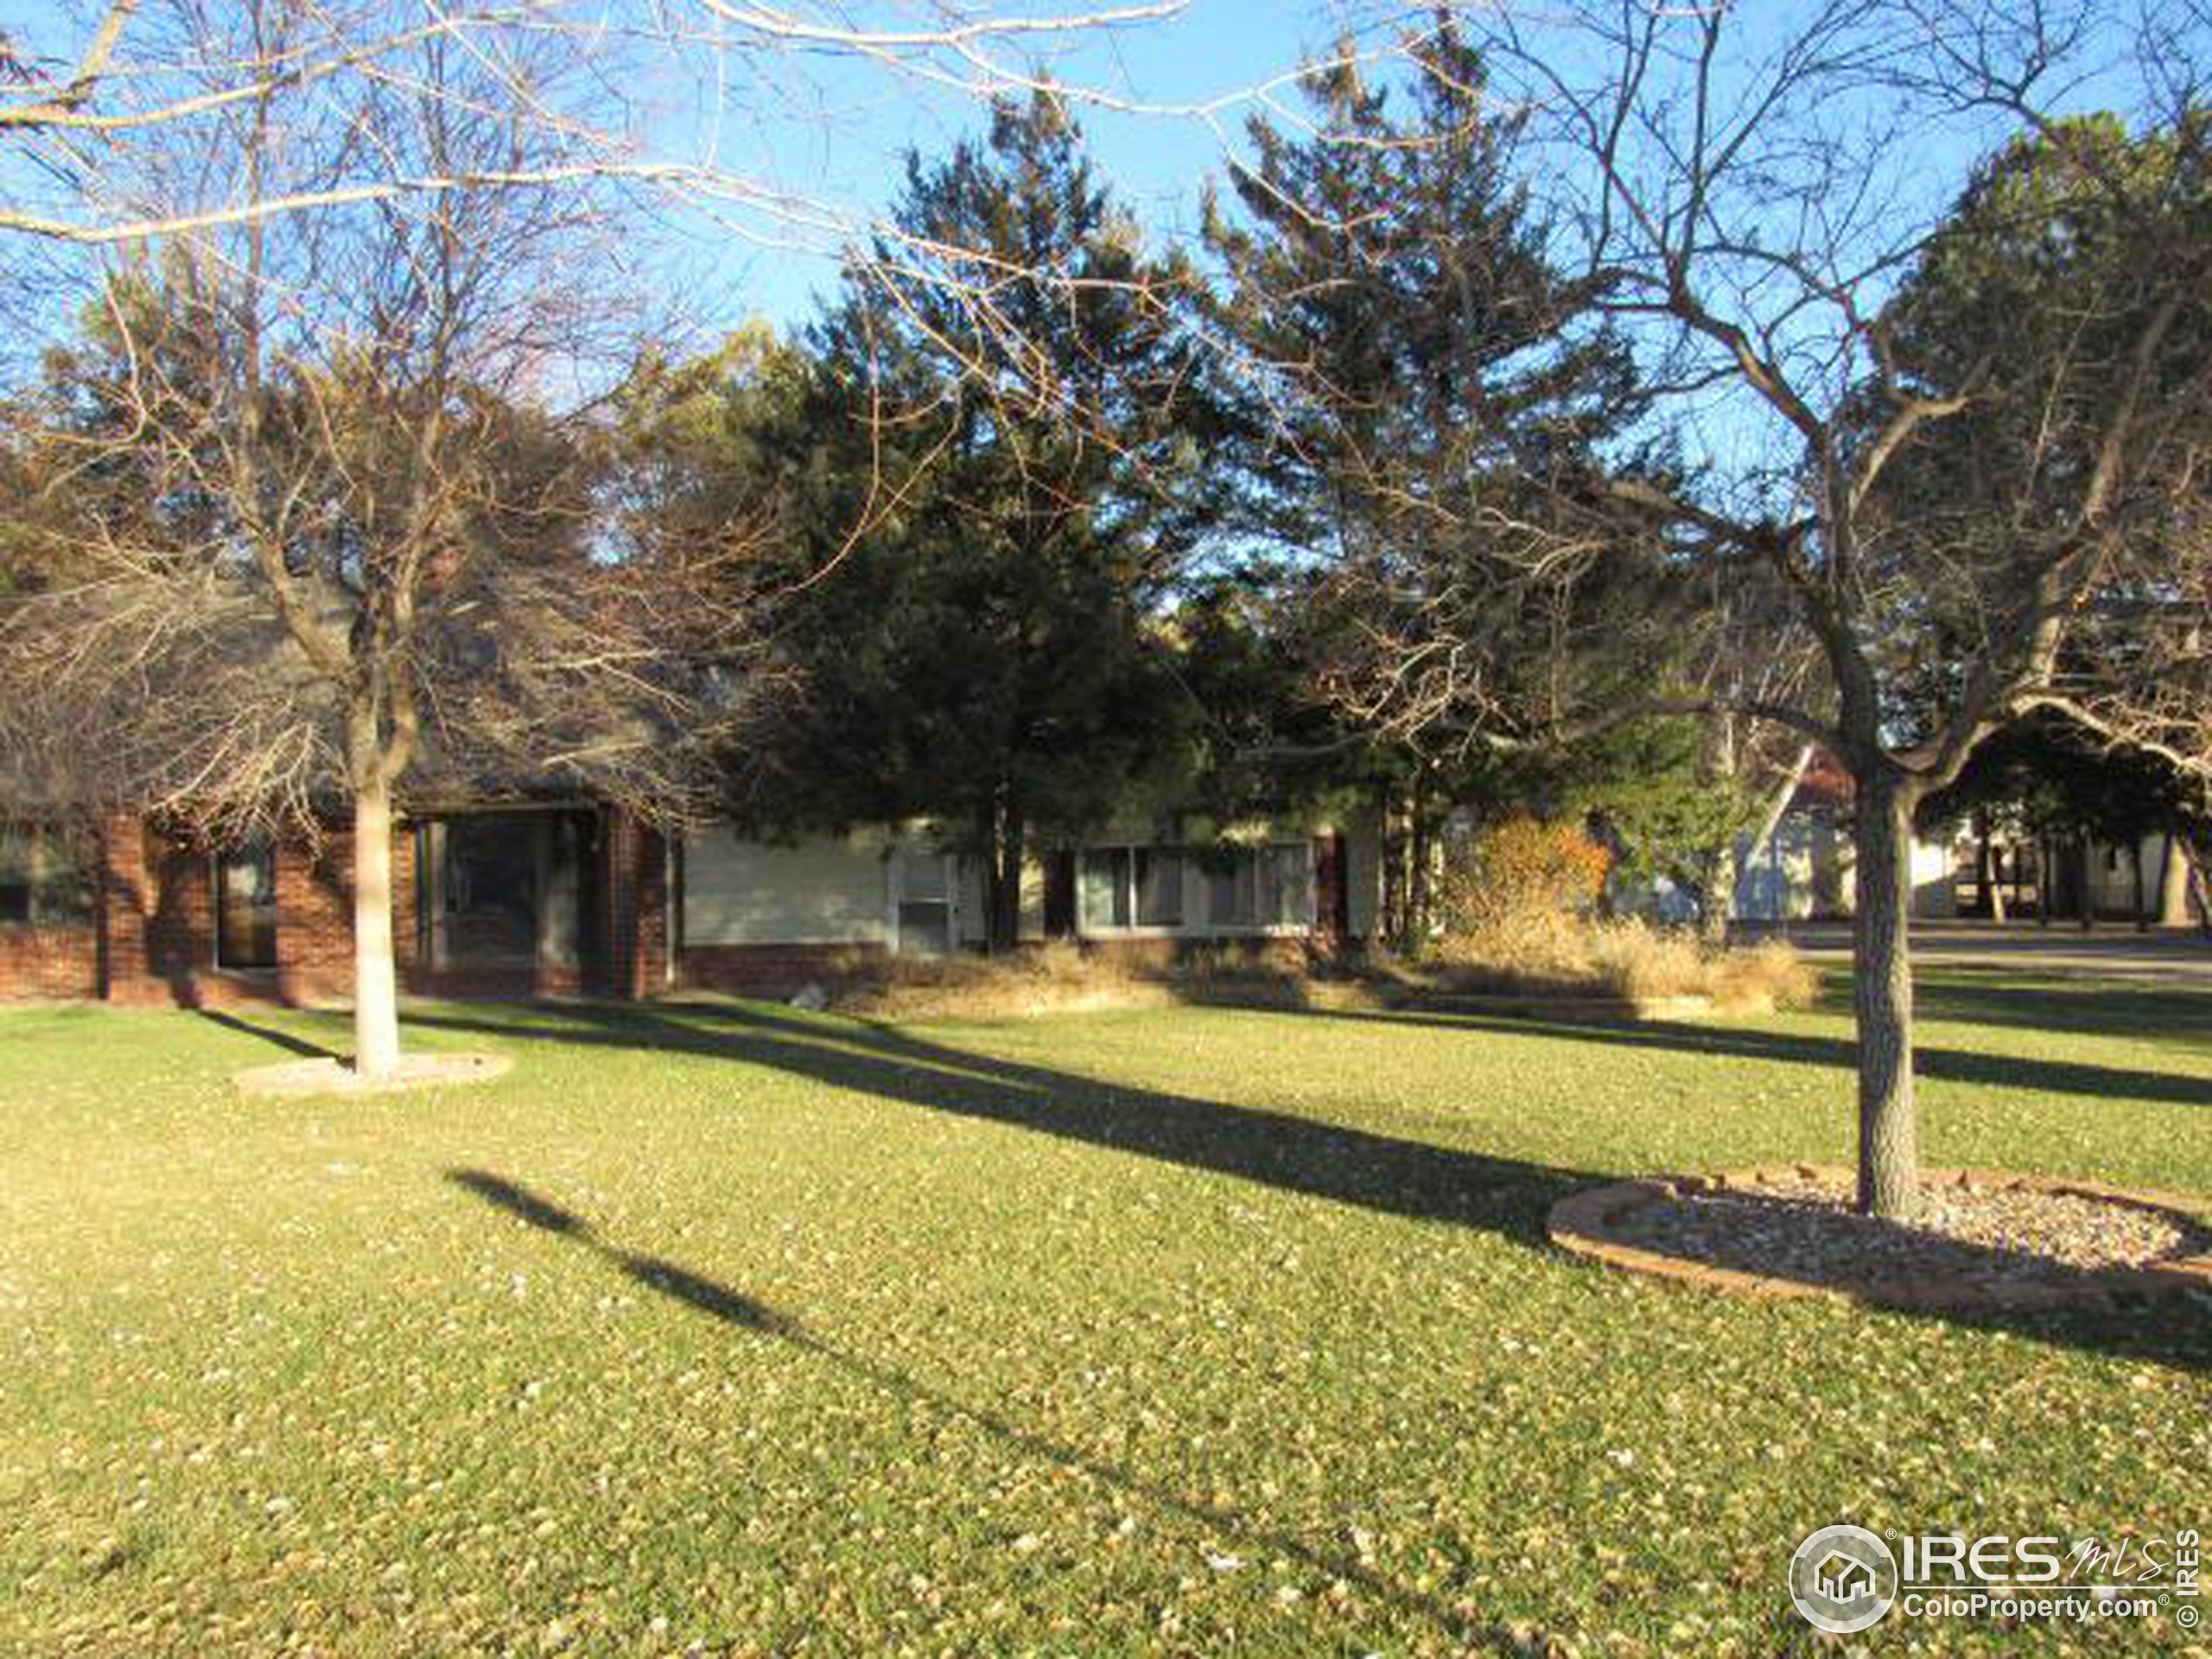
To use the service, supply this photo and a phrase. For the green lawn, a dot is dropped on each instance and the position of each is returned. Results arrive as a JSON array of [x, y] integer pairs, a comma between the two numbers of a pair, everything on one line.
[[1123, 1333]]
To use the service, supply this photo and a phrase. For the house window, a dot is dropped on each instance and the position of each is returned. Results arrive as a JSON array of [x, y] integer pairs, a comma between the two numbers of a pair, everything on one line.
[[44, 879], [1261, 886], [1160, 887], [245, 906], [1181, 889], [1287, 886], [1105, 887]]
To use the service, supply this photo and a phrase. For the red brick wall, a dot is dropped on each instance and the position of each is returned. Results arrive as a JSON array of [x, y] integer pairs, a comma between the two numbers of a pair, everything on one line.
[[152, 938], [315, 918], [633, 922], [162, 911], [406, 904], [120, 896], [49, 962]]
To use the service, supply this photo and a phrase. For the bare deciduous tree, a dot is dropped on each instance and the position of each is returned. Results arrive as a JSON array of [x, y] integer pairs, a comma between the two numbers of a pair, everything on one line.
[[1751, 195], [323, 510]]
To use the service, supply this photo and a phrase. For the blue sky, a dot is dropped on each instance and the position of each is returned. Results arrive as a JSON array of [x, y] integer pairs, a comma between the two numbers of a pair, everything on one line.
[[1215, 53], [822, 128]]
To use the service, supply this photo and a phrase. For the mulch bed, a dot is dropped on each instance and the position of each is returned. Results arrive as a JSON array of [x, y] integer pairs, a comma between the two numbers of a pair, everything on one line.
[[1982, 1239]]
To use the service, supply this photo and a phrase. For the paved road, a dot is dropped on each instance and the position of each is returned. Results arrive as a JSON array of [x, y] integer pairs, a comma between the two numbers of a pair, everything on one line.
[[2113, 950]]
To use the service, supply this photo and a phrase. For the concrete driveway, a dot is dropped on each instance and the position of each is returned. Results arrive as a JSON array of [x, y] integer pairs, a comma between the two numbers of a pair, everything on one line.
[[2112, 950]]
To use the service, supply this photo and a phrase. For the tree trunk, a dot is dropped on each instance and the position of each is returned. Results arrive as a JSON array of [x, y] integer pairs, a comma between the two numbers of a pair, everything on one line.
[[1987, 899], [376, 983], [1719, 899], [2089, 881], [2046, 874], [1005, 873], [2135, 872], [1889, 1151], [2173, 884]]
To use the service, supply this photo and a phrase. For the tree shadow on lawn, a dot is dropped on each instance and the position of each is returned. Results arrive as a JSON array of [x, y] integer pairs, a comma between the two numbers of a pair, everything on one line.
[[305, 1047], [2171, 1015], [747, 1313], [1413, 1178], [1509, 1197], [2025, 1073]]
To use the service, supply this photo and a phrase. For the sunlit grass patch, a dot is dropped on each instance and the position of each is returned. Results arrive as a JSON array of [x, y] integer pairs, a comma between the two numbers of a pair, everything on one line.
[[1168, 1328]]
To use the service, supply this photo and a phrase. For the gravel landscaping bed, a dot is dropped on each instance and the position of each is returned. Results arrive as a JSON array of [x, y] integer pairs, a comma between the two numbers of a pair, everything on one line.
[[1984, 1240], [1801, 1225]]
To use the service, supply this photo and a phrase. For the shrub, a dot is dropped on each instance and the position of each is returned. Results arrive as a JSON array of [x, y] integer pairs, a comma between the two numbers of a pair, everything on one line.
[[1064, 977], [1523, 871]]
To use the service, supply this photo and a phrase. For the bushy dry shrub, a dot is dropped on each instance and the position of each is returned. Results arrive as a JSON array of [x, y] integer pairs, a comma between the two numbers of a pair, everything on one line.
[[1062, 977], [1037, 979], [1521, 873], [1570, 956]]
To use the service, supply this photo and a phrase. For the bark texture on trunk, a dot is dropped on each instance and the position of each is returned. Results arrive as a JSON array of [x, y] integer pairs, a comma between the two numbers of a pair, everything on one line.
[[1719, 899], [1001, 837], [2173, 884], [1006, 885], [376, 982], [1889, 1148]]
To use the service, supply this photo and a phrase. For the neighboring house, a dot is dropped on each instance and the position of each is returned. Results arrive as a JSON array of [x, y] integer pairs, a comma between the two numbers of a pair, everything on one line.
[[566, 896], [1805, 873]]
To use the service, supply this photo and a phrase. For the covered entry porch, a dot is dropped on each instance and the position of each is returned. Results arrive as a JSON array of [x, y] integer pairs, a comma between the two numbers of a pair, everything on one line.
[[558, 899]]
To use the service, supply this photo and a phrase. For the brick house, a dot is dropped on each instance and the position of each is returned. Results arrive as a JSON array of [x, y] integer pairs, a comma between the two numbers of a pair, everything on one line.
[[517, 899], [568, 897]]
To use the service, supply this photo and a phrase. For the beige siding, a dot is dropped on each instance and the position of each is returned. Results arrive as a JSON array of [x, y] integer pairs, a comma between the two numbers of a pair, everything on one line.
[[826, 890]]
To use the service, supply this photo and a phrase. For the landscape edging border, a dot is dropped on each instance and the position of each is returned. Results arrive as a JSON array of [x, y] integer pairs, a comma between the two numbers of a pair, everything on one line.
[[1582, 1223]]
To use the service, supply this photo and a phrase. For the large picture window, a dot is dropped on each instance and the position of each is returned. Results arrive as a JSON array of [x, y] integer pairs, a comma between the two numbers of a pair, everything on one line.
[[45, 878], [1267, 887], [1193, 890]]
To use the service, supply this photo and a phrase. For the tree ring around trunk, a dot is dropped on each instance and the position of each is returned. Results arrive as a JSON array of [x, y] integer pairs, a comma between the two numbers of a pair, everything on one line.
[[327, 1074], [1990, 1241]]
